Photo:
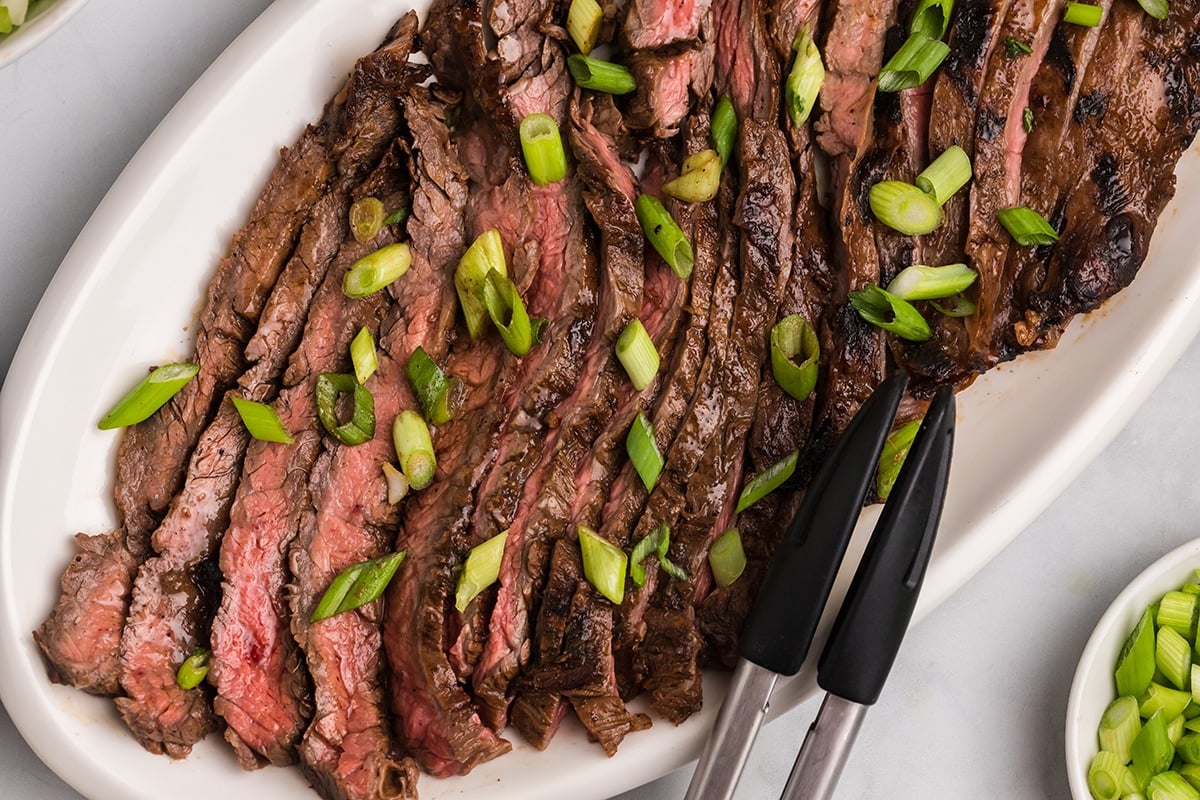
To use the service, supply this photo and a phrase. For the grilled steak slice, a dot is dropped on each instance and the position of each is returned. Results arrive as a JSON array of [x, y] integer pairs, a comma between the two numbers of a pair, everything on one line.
[[669, 48], [746, 68]]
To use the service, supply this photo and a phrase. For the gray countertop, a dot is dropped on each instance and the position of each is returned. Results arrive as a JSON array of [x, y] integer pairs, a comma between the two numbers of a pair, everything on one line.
[[976, 703]]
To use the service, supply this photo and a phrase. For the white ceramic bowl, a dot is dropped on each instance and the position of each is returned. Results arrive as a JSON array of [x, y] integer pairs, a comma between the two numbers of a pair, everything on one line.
[[1093, 688], [45, 17]]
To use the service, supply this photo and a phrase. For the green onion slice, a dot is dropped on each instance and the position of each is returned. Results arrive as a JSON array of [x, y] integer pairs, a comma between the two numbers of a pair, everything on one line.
[[672, 569], [919, 282], [193, 670], [653, 543], [397, 484], [604, 564], [1155, 8], [1152, 749], [6, 22], [414, 446], [357, 585], [699, 180], [948, 173], [1027, 227], [440, 395], [1107, 776], [884, 310], [480, 571], [543, 149], [584, 18], [261, 421], [724, 128], [795, 356], [1158, 697], [508, 314], [361, 427], [1173, 656], [727, 558], [1135, 665], [905, 208], [397, 216], [600, 76], [484, 255], [891, 459], [374, 272], [366, 218], [913, 63], [668, 240], [804, 81], [151, 394], [767, 481], [958, 305], [1169, 785], [1014, 48], [636, 352], [363, 355], [643, 451], [1178, 610], [1188, 747], [931, 18], [1083, 14], [1119, 726], [1027, 119]]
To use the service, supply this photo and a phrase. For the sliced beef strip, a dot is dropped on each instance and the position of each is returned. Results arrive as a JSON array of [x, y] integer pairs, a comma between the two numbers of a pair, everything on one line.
[[745, 67], [669, 48], [650, 24]]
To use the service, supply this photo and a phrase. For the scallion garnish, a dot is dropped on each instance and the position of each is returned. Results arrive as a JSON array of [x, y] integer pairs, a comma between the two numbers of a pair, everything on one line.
[[1108, 777], [1170, 785], [767, 481], [543, 149], [891, 458], [1155, 8], [905, 208], [726, 557], [600, 76], [1027, 119], [804, 81], [604, 564], [439, 394], [397, 216], [485, 254], [193, 670], [724, 128], [931, 18], [699, 180], [1135, 665], [1083, 14], [635, 351], [672, 569], [584, 18], [1014, 48], [958, 305], [261, 421], [1173, 657], [397, 484], [363, 355], [643, 451], [361, 426], [1175, 732], [884, 310], [1178, 610], [665, 235], [480, 571], [414, 447], [795, 355], [1119, 726], [366, 218], [1027, 227], [948, 173], [1152, 749], [1187, 747], [1158, 697], [913, 63], [357, 585], [919, 282], [373, 272], [151, 394], [654, 543], [508, 314]]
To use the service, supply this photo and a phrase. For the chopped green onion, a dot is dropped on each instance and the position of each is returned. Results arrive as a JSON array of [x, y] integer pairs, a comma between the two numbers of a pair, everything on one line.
[[485, 254], [1175, 731], [958, 306], [440, 395], [804, 81], [600, 76], [905, 208], [543, 149], [1158, 697], [397, 484], [374, 272], [1014, 48], [480, 571], [673, 570], [1178, 610], [1170, 786], [883, 310], [1152, 749], [604, 564], [414, 447], [584, 18], [653, 543], [1155, 8], [1173, 656], [891, 459], [913, 63], [699, 180], [1190, 588], [1119, 726], [724, 128], [357, 585], [1083, 14], [366, 218], [767, 481], [6, 22], [1107, 776], [948, 173], [795, 355], [726, 557], [508, 314], [193, 670], [931, 18], [1027, 226], [635, 351], [151, 394], [643, 451], [1191, 774], [363, 355], [397, 216], [665, 235], [919, 282], [361, 427], [1188, 747], [1027, 119], [261, 421]]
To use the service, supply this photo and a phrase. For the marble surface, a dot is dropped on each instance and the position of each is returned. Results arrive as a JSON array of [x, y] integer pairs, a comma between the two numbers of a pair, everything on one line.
[[976, 702]]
